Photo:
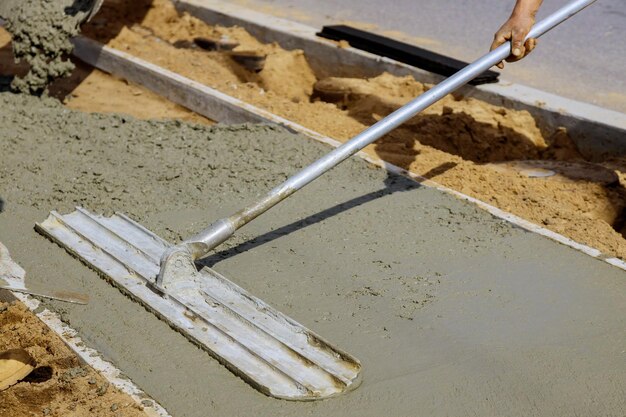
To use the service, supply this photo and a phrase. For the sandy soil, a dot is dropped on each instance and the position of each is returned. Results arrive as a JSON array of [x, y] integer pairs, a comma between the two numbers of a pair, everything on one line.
[[451, 142], [60, 385], [94, 91]]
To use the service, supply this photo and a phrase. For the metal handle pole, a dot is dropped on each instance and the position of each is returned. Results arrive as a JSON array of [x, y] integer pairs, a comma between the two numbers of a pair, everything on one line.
[[222, 229]]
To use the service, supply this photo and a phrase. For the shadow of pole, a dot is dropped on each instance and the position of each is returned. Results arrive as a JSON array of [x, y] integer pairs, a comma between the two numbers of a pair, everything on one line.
[[393, 184]]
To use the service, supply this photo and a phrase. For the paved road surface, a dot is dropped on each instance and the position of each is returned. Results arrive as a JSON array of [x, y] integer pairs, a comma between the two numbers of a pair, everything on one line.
[[583, 59]]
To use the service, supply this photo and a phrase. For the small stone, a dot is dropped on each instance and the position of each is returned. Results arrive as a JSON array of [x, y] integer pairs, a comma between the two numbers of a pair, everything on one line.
[[102, 389], [72, 373], [114, 407], [146, 403], [91, 381], [46, 411], [3, 308]]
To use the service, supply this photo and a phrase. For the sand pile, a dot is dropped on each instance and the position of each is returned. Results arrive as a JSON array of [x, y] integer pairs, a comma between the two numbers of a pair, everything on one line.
[[286, 73], [480, 131], [467, 127], [59, 385]]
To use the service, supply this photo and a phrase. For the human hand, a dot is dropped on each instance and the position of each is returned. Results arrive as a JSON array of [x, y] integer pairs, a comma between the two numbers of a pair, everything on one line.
[[515, 30]]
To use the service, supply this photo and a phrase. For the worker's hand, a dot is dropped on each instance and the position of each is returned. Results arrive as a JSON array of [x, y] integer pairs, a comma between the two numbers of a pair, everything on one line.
[[515, 30]]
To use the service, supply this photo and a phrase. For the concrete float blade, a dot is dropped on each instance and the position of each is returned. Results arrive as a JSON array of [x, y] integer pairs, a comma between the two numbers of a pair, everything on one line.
[[269, 350]]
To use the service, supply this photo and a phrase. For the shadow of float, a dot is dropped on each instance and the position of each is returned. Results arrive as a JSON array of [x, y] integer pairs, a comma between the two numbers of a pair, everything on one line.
[[393, 184]]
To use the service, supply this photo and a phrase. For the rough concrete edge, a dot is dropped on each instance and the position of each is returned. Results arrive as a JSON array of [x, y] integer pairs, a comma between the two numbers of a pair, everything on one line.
[[90, 356], [596, 131], [128, 64]]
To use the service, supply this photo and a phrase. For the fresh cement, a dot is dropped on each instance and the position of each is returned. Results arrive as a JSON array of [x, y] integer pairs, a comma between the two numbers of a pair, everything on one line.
[[41, 31], [451, 311]]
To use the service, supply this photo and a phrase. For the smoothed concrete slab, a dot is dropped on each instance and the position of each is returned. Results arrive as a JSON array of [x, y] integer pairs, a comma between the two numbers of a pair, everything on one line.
[[451, 310]]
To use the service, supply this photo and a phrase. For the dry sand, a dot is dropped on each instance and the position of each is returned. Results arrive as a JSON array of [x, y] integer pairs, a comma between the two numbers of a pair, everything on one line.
[[60, 385], [450, 142]]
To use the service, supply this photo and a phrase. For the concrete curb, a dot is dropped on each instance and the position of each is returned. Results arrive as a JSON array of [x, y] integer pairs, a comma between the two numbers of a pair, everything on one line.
[[598, 132]]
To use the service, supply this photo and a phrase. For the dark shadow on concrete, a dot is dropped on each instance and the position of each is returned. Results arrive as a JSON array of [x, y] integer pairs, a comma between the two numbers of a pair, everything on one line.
[[1, 205], [5, 83], [393, 183], [112, 17]]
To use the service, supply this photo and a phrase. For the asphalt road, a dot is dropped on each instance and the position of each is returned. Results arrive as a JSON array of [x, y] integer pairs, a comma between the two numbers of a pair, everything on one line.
[[583, 59]]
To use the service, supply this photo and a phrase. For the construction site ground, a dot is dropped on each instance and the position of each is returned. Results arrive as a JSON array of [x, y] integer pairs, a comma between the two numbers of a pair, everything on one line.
[[451, 310], [453, 142]]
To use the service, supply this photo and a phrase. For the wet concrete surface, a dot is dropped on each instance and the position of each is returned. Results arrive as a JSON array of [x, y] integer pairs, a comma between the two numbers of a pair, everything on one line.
[[450, 310]]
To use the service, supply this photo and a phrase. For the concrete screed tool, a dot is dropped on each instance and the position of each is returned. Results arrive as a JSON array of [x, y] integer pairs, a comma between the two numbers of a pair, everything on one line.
[[272, 352]]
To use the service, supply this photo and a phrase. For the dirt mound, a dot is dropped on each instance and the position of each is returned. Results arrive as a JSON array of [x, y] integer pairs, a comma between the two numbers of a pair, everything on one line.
[[60, 385], [470, 128], [286, 73]]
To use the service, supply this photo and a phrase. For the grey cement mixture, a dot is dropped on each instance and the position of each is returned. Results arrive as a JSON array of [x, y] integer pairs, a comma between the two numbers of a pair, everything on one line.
[[41, 32], [451, 311]]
